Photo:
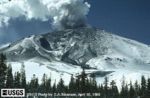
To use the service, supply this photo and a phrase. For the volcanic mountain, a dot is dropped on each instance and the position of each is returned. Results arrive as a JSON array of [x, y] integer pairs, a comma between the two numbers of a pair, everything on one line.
[[66, 52]]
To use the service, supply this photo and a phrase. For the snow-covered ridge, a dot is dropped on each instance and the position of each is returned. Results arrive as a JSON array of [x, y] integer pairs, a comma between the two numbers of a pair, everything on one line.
[[4, 45], [64, 52]]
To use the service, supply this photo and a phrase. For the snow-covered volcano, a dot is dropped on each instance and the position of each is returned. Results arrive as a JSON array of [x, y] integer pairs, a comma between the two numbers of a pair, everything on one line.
[[63, 53]]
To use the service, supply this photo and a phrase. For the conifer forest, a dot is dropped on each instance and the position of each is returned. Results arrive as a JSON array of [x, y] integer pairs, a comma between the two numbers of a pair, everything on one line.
[[80, 84]]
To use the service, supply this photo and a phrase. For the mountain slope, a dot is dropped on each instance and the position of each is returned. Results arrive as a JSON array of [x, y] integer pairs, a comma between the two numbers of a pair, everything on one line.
[[65, 52]]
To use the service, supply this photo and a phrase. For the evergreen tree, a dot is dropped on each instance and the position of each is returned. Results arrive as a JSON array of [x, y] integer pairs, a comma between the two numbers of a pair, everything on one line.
[[23, 77], [54, 88], [28, 87], [114, 90], [124, 89], [101, 89], [143, 86], [33, 85], [43, 84], [148, 87], [17, 82], [36, 85], [48, 85], [9, 80], [131, 91], [106, 88], [93, 84], [3, 70], [137, 88], [72, 85], [78, 85], [83, 79], [89, 86], [61, 86]]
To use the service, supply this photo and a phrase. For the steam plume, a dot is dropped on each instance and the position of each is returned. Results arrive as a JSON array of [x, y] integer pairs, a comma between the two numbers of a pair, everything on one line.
[[63, 13]]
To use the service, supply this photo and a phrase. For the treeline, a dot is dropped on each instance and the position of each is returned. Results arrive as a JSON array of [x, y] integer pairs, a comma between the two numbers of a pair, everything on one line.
[[78, 84]]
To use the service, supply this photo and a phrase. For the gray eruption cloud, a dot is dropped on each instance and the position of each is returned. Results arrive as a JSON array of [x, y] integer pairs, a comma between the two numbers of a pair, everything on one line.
[[63, 13]]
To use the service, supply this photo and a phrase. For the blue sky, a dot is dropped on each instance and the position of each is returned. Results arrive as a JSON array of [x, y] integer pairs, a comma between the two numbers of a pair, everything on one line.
[[128, 18]]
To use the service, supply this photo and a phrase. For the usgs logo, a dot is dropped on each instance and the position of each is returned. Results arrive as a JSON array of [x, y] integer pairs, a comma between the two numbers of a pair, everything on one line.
[[12, 92]]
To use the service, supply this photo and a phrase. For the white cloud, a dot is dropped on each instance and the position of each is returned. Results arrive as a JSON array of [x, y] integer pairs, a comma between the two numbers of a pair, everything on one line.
[[64, 13]]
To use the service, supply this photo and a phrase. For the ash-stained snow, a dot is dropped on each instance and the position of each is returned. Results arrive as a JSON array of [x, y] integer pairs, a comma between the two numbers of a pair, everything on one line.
[[62, 54]]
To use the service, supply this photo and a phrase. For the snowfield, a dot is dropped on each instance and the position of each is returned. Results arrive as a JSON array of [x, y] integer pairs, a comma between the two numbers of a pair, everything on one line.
[[51, 70]]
